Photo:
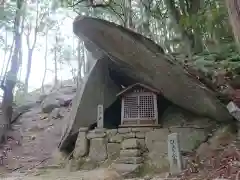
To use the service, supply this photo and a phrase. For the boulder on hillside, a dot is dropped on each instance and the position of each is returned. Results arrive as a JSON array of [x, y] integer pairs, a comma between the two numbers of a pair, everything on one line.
[[49, 104]]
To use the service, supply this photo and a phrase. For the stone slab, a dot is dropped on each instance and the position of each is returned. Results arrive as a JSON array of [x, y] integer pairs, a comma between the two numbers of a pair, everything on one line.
[[131, 144], [124, 130], [126, 169], [83, 129], [98, 149], [92, 135], [140, 135], [174, 155], [130, 153], [111, 132], [81, 146], [116, 139], [113, 150], [143, 129], [128, 135], [130, 160]]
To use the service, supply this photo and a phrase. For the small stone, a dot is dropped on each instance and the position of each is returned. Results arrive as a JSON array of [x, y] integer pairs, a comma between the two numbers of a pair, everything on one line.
[[124, 130], [33, 137], [92, 135], [143, 129], [116, 139], [130, 144], [130, 160], [130, 153], [129, 135], [140, 135]]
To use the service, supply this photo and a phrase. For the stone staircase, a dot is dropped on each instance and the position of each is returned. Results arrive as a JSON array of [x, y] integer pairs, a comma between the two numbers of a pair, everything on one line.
[[130, 159]]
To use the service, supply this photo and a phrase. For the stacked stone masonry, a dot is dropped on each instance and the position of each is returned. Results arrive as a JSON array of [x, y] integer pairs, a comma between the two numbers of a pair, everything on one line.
[[128, 148]]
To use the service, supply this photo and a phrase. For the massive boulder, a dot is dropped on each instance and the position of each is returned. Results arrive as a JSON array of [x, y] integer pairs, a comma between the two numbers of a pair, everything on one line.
[[133, 58]]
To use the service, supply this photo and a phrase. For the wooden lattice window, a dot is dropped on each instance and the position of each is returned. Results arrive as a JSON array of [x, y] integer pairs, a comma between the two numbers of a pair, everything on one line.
[[139, 106]]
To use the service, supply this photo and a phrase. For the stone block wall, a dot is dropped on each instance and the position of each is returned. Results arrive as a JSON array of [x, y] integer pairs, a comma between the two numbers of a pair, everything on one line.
[[100, 145]]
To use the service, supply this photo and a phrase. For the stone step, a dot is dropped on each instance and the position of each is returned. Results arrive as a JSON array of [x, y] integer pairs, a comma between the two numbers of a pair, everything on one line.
[[127, 169], [130, 153], [130, 160]]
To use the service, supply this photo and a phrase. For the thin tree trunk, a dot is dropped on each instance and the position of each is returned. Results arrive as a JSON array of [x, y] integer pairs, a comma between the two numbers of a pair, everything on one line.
[[30, 52], [11, 77], [55, 63], [45, 62], [4, 58], [175, 17], [128, 14], [20, 48], [29, 65], [233, 7], [79, 59], [146, 15]]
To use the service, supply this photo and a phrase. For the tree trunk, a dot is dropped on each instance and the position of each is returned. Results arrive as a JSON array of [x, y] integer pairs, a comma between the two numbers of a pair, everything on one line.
[[233, 7], [146, 15], [30, 51], [191, 38], [79, 59], [29, 65], [11, 77], [20, 48], [55, 63], [128, 14], [45, 61], [175, 17]]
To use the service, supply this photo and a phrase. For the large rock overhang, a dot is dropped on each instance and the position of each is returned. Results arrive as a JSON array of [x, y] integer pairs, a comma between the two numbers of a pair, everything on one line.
[[155, 68], [136, 59]]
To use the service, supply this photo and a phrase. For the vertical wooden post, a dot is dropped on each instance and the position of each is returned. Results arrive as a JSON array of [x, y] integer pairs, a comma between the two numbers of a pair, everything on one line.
[[100, 115]]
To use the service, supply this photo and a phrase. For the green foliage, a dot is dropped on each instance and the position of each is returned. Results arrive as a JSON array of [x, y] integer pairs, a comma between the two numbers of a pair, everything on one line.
[[7, 14], [226, 57]]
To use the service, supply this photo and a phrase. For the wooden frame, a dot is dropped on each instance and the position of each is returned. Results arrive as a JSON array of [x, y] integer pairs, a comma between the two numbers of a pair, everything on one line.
[[139, 121]]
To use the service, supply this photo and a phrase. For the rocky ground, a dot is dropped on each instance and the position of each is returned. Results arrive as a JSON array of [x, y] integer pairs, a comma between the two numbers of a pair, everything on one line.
[[35, 135]]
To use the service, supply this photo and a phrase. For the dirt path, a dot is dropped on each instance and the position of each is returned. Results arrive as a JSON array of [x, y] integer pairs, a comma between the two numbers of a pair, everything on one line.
[[97, 174], [31, 143]]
